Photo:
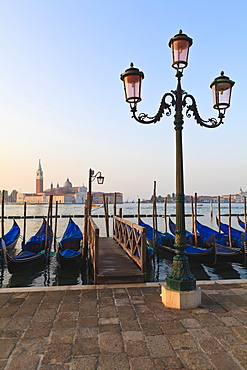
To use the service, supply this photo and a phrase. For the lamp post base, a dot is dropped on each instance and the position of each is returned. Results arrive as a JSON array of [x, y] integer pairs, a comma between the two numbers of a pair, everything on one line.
[[182, 300], [180, 277]]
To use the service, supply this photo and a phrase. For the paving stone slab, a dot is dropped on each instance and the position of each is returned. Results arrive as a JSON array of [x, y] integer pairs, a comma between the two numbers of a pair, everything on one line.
[[210, 345], [223, 361], [85, 362], [130, 324], [111, 342], [183, 341], [6, 347], [173, 327], [240, 354], [138, 363], [137, 348], [57, 353], [159, 346], [195, 360], [168, 363], [114, 361], [87, 346]]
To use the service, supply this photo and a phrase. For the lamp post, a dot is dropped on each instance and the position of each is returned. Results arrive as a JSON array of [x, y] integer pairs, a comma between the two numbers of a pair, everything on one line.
[[180, 278], [91, 178]]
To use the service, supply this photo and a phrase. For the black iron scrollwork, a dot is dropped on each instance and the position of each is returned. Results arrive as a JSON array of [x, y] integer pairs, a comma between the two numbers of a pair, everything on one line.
[[210, 123], [144, 118], [178, 100]]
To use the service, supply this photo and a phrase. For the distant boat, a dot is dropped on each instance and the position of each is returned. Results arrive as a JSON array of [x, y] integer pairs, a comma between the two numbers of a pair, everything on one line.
[[70, 246]]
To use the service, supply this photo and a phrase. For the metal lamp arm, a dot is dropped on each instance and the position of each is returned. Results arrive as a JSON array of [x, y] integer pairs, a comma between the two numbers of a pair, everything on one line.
[[93, 177], [210, 123], [145, 119]]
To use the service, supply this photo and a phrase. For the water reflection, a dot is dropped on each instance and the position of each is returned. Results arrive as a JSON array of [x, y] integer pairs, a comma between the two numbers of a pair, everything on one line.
[[27, 278]]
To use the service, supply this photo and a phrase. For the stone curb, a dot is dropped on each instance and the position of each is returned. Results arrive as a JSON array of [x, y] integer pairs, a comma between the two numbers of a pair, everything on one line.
[[112, 286]]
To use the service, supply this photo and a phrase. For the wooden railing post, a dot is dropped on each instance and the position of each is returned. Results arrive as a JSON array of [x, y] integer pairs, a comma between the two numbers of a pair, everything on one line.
[[85, 236], [96, 255], [93, 243], [143, 251]]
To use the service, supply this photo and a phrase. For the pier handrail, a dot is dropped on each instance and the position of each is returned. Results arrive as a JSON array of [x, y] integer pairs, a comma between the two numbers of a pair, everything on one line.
[[132, 238], [93, 240]]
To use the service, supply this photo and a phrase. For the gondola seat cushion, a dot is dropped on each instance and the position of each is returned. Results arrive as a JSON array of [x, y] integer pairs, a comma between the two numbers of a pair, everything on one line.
[[69, 253], [25, 254]]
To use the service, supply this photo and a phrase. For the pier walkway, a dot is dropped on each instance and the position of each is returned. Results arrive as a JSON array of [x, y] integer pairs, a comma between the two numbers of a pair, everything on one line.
[[115, 266], [122, 327], [120, 259]]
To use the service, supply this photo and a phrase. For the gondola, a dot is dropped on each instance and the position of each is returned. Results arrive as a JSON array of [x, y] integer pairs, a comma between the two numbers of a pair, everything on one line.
[[70, 246], [190, 237], [33, 251], [241, 223], [236, 235], [10, 239], [165, 245], [206, 232], [223, 251]]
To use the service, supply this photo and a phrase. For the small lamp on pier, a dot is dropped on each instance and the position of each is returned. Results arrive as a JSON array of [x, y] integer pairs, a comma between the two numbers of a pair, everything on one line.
[[100, 179]]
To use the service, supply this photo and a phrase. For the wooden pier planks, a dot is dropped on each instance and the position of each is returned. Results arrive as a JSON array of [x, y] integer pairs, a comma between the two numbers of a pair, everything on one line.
[[115, 266]]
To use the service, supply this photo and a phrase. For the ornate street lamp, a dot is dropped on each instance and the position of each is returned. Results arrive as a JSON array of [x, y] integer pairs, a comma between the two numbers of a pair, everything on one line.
[[92, 177], [180, 277]]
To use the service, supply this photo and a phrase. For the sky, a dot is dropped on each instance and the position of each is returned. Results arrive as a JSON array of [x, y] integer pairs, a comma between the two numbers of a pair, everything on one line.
[[62, 101]]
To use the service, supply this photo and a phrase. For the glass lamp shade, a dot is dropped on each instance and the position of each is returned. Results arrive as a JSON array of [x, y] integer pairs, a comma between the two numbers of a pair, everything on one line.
[[180, 45], [132, 79], [100, 179], [222, 90]]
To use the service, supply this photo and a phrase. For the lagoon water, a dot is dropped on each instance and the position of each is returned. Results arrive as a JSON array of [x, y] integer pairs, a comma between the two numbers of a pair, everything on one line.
[[157, 270]]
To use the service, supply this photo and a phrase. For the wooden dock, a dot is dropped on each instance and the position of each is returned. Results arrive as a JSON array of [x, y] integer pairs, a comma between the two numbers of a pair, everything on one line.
[[115, 266]]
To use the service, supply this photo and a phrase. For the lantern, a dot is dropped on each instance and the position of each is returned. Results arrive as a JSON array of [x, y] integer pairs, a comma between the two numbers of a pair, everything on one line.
[[100, 179], [180, 44], [132, 79], [222, 89]]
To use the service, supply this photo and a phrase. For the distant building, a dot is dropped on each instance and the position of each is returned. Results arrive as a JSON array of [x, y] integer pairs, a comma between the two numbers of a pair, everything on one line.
[[30, 198], [39, 180], [65, 194], [97, 197], [237, 198]]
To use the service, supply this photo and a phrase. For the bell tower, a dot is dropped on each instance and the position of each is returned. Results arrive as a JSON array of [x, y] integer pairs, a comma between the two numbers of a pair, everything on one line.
[[39, 179]]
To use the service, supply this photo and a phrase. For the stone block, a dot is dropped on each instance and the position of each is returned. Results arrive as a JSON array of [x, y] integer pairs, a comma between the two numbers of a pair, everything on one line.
[[181, 300]]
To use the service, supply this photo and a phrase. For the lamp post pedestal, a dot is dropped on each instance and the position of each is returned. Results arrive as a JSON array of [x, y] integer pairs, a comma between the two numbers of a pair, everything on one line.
[[182, 300]]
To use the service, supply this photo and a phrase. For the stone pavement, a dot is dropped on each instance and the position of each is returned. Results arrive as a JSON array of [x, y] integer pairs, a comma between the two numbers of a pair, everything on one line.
[[122, 327]]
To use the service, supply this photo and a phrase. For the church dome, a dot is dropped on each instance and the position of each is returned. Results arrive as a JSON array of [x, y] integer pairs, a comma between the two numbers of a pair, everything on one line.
[[67, 184]]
